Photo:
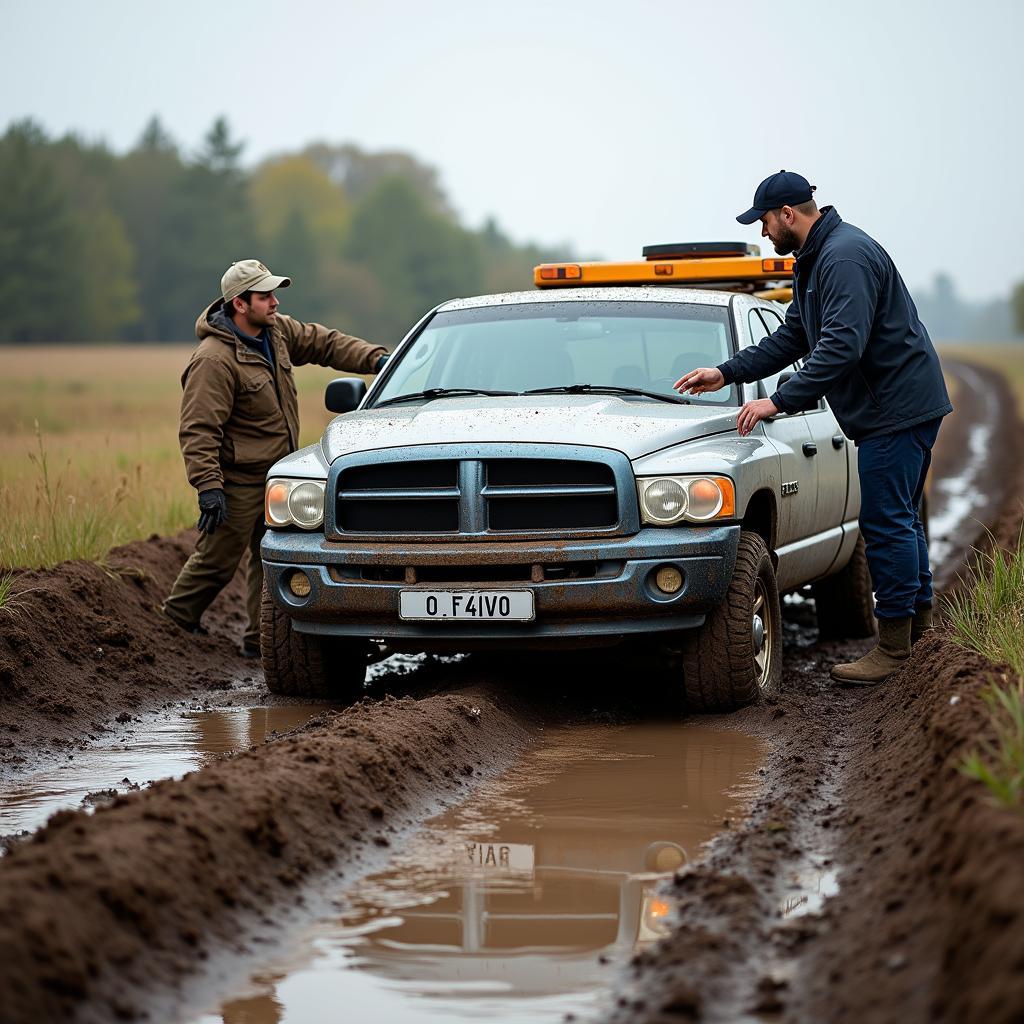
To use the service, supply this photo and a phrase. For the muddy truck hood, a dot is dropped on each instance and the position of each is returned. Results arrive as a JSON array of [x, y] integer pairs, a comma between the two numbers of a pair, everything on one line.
[[634, 427]]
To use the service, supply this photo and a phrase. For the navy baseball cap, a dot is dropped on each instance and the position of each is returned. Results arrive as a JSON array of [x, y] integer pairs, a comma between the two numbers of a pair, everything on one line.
[[787, 188]]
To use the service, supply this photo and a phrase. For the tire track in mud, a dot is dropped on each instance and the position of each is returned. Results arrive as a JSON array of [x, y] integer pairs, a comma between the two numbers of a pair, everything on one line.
[[104, 913], [97, 910]]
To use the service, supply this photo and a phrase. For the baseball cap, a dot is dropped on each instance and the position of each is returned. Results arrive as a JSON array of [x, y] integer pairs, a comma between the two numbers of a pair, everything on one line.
[[249, 276], [787, 188]]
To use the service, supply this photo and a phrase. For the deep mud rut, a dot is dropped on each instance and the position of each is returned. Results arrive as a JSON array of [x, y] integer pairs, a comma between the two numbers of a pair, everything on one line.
[[867, 880]]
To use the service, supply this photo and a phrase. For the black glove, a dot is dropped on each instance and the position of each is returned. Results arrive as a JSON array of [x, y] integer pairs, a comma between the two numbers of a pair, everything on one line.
[[380, 362], [213, 509]]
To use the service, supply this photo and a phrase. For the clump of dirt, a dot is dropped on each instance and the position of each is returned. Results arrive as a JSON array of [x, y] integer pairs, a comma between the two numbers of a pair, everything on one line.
[[95, 909], [927, 921], [83, 646], [933, 884]]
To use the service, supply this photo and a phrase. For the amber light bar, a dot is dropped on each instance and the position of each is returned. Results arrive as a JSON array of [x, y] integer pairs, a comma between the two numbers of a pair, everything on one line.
[[708, 270], [559, 272]]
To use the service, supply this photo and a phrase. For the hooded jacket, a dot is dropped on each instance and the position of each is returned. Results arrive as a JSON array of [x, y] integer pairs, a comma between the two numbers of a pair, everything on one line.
[[854, 322], [239, 414]]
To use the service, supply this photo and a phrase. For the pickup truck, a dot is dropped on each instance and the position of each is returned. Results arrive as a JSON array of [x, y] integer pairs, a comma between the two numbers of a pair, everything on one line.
[[522, 474]]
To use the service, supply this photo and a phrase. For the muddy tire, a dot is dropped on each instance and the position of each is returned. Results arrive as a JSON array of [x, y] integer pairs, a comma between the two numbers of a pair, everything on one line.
[[845, 602], [304, 665], [724, 665]]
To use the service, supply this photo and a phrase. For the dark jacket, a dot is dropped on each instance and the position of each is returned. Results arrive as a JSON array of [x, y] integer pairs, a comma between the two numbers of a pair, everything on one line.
[[855, 322], [239, 413]]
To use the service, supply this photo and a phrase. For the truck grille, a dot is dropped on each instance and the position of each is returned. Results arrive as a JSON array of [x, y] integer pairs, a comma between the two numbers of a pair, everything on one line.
[[476, 496]]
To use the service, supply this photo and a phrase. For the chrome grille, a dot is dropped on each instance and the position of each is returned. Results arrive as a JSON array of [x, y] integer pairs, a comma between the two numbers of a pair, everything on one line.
[[399, 497], [476, 496]]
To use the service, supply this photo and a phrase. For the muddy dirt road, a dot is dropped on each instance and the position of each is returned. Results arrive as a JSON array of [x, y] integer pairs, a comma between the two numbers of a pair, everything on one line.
[[487, 840]]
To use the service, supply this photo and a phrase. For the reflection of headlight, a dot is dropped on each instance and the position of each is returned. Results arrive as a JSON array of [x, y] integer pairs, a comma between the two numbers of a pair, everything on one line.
[[654, 917], [295, 503], [668, 499]]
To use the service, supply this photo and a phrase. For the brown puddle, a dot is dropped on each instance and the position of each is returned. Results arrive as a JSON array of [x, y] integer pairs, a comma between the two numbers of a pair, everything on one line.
[[513, 905], [157, 748]]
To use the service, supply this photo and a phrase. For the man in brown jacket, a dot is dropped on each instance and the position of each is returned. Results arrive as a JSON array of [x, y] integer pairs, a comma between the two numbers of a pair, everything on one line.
[[239, 415]]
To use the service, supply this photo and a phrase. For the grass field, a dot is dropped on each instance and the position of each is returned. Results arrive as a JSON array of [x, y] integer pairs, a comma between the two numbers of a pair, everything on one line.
[[89, 452], [89, 443]]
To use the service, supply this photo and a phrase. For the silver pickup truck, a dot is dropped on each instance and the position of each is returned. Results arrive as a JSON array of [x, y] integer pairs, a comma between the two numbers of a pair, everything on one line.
[[522, 474]]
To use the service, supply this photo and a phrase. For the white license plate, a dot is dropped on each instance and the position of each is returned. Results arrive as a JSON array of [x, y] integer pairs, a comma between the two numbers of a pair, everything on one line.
[[474, 605], [488, 857]]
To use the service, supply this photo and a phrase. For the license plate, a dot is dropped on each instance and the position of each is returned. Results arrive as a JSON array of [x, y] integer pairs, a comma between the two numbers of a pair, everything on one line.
[[473, 605], [489, 857]]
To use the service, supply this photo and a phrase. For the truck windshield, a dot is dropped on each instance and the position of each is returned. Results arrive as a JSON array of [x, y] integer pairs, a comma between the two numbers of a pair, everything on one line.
[[642, 345]]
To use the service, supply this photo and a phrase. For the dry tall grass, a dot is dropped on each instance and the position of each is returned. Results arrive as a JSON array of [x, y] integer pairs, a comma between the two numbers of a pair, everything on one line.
[[89, 452]]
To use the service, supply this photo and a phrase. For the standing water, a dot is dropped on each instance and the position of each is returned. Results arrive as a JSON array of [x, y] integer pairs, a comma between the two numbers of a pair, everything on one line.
[[515, 905]]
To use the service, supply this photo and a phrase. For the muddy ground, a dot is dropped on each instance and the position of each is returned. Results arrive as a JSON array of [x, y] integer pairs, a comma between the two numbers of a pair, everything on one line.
[[107, 916]]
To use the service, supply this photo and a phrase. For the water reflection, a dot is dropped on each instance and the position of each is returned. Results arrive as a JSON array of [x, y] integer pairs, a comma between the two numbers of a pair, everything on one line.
[[505, 907], [154, 748]]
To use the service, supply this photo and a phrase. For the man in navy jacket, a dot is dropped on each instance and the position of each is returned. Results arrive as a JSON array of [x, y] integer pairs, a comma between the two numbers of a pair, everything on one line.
[[854, 324]]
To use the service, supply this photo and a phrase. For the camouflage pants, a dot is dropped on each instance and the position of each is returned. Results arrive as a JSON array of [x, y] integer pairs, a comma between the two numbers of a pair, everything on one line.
[[216, 558]]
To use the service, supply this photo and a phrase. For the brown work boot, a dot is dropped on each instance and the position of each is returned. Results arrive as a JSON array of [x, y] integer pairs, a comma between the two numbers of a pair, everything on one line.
[[878, 664], [922, 622]]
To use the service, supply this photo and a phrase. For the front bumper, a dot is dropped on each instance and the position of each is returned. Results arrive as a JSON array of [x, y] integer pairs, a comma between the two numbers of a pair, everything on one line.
[[618, 599]]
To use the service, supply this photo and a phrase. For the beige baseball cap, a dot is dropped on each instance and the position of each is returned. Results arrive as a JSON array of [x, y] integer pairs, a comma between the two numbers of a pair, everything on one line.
[[249, 276]]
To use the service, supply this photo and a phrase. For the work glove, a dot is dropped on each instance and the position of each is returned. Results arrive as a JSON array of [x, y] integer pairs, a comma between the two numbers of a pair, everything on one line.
[[213, 509], [380, 362]]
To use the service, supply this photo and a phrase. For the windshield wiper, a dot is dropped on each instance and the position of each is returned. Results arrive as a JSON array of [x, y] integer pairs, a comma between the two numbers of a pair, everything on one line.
[[441, 393], [606, 389]]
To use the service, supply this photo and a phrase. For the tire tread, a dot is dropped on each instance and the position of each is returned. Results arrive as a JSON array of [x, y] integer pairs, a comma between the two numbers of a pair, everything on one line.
[[718, 669], [303, 665]]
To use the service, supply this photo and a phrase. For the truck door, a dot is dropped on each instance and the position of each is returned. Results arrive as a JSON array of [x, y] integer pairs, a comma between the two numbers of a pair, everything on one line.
[[799, 480], [831, 460]]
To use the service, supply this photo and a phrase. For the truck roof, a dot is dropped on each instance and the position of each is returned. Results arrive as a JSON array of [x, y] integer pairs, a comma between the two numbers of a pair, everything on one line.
[[700, 296]]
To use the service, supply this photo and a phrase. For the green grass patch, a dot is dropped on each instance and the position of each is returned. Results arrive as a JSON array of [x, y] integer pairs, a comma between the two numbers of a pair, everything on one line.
[[987, 613], [6, 591], [987, 616], [999, 764]]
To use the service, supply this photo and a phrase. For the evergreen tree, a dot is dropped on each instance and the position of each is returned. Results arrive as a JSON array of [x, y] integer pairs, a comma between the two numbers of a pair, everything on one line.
[[106, 256], [208, 227], [145, 180], [39, 256]]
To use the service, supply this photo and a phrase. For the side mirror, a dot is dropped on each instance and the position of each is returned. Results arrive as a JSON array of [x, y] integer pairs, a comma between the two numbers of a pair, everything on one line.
[[344, 394]]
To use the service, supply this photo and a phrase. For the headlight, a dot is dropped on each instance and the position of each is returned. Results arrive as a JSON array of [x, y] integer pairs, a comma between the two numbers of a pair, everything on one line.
[[669, 499], [655, 917], [295, 502], [665, 500]]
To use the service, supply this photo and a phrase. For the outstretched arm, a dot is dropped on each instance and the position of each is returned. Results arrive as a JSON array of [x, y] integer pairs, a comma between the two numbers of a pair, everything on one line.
[[314, 343], [770, 355]]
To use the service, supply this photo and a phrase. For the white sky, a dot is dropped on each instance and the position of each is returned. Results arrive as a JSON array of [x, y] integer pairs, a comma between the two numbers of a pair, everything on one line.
[[607, 125]]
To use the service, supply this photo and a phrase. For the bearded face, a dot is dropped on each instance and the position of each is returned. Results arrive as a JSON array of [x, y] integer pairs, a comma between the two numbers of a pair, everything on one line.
[[780, 234]]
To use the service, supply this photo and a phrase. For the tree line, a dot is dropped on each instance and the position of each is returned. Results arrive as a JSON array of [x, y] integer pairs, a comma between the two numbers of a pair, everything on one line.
[[97, 246]]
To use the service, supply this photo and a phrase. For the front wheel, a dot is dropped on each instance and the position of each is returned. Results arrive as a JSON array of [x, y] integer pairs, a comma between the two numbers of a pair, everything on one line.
[[736, 657], [305, 665]]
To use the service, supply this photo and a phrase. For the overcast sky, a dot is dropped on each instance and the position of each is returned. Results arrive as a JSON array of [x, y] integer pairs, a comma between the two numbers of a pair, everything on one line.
[[608, 125]]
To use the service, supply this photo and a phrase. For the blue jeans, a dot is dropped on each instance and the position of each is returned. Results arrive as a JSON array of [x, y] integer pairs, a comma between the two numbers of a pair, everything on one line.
[[892, 469]]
